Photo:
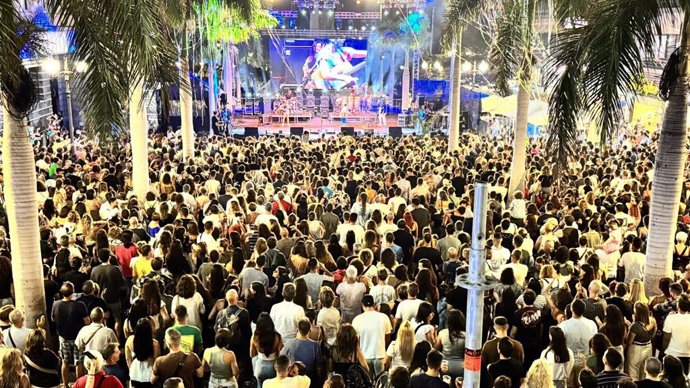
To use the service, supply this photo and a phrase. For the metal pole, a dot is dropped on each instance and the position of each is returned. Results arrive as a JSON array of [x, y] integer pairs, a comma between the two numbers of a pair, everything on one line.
[[68, 96], [475, 282]]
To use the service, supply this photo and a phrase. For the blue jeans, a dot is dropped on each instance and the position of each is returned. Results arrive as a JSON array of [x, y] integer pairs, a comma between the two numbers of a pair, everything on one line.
[[263, 370]]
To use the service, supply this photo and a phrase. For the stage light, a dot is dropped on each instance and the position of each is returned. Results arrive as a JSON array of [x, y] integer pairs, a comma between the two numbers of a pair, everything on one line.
[[320, 12], [330, 12], [385, 13], [283, 26], [397, 12], [303, 12], [466, 66], [438, 66], [81, 67], [483, 66], [358, 2], [350, 27], [402, 67], [364, 28], [51, 66], [425, 65], [373, 28]]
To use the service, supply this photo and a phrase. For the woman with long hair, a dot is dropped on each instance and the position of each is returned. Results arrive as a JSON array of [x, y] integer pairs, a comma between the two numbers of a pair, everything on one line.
[[302, 297], [424, 330], [639, 341], [186, 294], [37, 354], [560, 359], [141, 349], [427, 290], [597, 347], [507, 280], [637, 292], [614, 327], [264, 348], [221, 362], [12, 370], [176, 261], [451, 342], [400, 351], [418, 363], [151, 294], [346, 351], [324, 256], [258, 301], [539, 375], [673, 372]]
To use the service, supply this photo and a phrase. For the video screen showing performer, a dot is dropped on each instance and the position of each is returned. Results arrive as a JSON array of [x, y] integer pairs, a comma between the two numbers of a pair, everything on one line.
[[330, 65]]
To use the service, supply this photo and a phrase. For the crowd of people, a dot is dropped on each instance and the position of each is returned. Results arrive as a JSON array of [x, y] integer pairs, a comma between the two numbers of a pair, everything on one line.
[[281, 262]]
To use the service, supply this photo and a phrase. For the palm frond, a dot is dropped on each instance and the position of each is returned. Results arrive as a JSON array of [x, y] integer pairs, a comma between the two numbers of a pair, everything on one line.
[[600, 65], [9, 42], [563, 70], [244, 8], [508, 49], [457, 16]]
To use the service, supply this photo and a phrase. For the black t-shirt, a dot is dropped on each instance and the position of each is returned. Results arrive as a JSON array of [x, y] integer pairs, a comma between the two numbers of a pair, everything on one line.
[[546, 180], [69, 316], [76, 277], [91, 302], [45, 359], [510, 368], [6, 279], [528, 321], [424, 380], [457, 297], [646, 383], [110, 277]]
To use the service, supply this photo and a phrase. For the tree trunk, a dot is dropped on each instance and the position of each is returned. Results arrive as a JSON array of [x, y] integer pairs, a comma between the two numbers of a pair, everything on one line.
[[391, 78], [667, 182], [228, 74], [186, 101], [406, 82], [454, 95], [138, 129], [21, 206], [517, 165], [211, 95]]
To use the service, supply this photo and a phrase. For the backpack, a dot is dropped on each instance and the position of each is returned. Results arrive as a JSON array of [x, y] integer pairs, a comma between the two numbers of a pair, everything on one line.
[[357, 377], [233, 325]]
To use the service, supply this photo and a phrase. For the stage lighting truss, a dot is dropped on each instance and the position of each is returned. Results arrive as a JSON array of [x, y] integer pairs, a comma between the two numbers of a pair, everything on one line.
[[313, 34], [337, 15]]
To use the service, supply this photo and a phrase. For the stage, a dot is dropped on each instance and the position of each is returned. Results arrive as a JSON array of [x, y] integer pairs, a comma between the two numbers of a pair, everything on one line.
[[361, 123]]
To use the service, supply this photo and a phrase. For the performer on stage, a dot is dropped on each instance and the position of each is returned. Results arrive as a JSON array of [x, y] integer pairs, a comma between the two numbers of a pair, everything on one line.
[[329, 67], [381, 114]]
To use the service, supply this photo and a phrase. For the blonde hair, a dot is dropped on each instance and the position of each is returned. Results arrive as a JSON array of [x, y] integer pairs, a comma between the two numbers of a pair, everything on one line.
[[10, 368], [547, 271], [637, 293], [539, 375], [406, 341]]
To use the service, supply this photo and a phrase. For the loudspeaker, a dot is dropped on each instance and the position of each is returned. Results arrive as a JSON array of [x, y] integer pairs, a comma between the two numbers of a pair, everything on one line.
[[395, 131], [296, 131], [251, 132], [347, 131]]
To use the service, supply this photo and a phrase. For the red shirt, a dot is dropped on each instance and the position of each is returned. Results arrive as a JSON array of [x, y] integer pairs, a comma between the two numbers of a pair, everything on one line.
[[124, 256], [109, 382], [286, 206]]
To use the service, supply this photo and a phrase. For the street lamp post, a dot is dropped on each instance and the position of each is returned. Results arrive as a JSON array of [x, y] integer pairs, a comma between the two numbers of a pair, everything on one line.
[[52, 67], [68, 95]]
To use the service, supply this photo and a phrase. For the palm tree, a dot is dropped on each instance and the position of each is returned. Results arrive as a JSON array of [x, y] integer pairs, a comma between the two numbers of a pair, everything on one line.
[[180, 14], [601, 63], [103, 37]]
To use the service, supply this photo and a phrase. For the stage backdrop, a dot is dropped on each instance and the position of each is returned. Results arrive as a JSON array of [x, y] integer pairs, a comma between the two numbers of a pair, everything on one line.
[[330, 64]]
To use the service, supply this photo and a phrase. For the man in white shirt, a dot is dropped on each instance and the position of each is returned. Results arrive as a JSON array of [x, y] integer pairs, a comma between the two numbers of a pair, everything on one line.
[[95, 336], [407, 309], [676, 334], [15, 336], [286, 314], [265, 217], [286, 376], [633, 261], [397, 200], [578, 330], [519, 270], [374, 329], [382, 292]]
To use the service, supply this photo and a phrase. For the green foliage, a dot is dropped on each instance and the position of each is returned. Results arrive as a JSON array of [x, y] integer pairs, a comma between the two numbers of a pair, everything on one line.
[[598, 65]]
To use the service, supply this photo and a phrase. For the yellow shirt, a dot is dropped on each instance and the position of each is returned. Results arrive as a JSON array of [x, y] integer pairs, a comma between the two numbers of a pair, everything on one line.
[[141, 268]]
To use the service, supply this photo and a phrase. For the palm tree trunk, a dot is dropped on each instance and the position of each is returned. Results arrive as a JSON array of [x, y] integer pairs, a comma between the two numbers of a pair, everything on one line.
[[455, 92], [138, 128], [517, 166], [186, 101], [211, 95], [391, 78], [21, 206], [667, 182]]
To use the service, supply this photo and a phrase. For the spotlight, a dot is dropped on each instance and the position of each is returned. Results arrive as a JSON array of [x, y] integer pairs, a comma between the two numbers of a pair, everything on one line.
[[373, 28], [385, 13], [364, 28], [466, 66], [330, 12], [397, 12], [425, 65], [303, 12], [320, 12], [483, 66], [349, 27]]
